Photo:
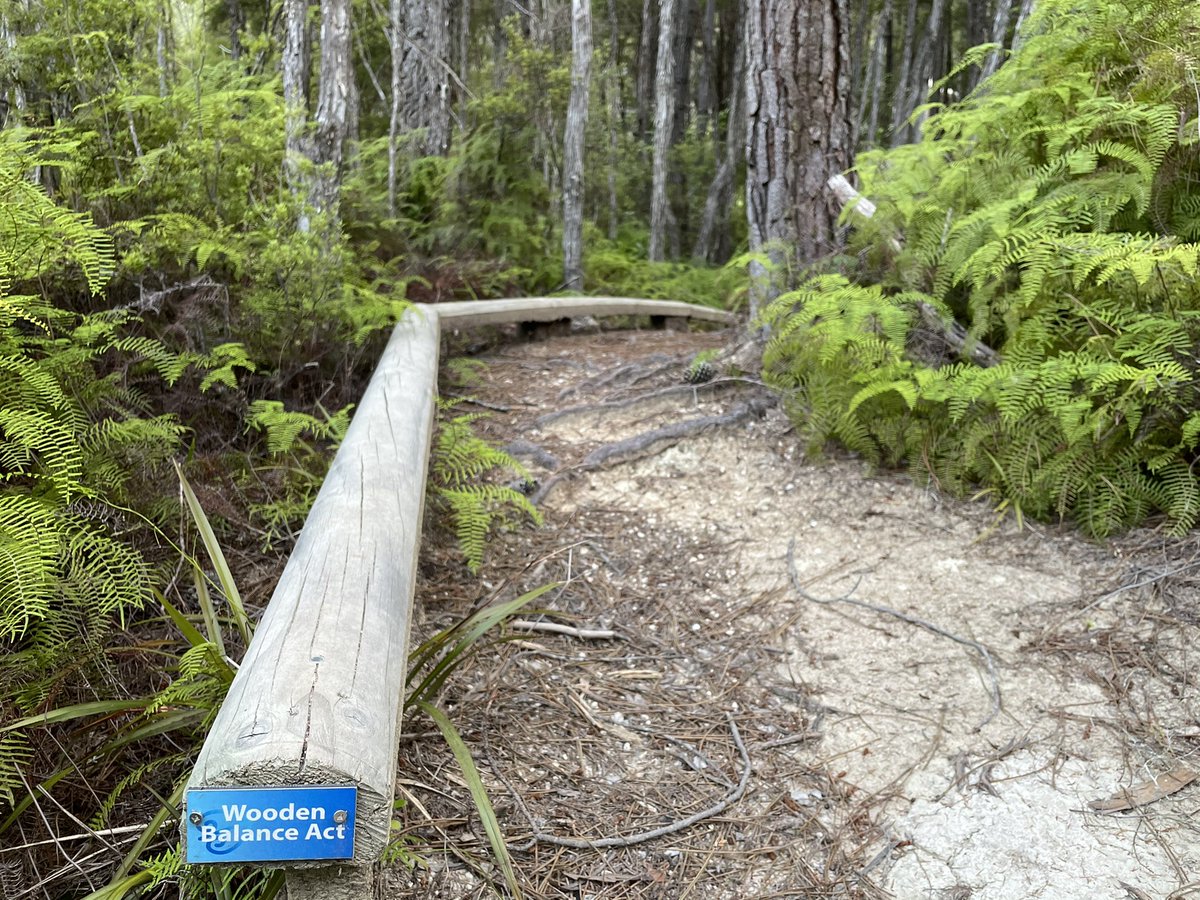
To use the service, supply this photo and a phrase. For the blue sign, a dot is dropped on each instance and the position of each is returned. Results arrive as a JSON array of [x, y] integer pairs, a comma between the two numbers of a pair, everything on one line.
[[269, 824]]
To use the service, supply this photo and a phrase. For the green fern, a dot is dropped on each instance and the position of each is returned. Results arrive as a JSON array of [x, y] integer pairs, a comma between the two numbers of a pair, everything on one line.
[[460, 464]]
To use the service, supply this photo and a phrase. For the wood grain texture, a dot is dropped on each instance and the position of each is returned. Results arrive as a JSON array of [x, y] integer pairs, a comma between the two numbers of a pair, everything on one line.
[[468, 313], [317, 697]]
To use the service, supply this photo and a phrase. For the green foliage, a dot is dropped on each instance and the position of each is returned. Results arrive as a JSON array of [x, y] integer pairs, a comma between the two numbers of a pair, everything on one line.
[[1051, 213], [460, 464]]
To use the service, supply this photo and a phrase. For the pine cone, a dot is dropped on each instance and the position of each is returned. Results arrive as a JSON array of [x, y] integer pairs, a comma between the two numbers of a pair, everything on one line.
[[699, 372]]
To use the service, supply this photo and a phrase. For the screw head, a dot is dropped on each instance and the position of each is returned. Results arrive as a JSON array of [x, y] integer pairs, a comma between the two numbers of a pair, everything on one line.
[[340, 817], [195, 818]]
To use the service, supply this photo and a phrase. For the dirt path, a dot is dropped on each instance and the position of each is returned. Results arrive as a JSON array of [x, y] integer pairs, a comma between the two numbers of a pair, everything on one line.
[[780, 746]]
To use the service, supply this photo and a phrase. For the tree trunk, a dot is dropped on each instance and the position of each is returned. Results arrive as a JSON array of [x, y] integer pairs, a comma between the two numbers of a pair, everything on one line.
[[664, 83], [396, 48], [297, 62], [879, 62], [577, 110], [613, 89], [999, 33], [922, 71], [797, 133], [707, 101], [337, 103], [647, 55], [424, 74], [900, 91], [237, 21], [720, 192]]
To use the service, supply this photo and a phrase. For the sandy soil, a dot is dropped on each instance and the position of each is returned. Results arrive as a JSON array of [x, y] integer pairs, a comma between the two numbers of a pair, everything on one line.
[[801, 690]]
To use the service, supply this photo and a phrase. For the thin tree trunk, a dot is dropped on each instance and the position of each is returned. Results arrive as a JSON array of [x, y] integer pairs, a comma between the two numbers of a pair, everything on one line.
[[923, 67], [1019, 28], [999, 33], [647, 56], [720, 192], [237, 21], [707, 102], [613, 87], [900, 108], [395, 45], [664, 83], [797, 133], [297, 55], [337, 102], [577, 110], [880, 63]]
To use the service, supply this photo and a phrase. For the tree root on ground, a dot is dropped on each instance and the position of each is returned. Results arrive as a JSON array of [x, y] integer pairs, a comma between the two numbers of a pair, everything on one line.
[[640, 445]]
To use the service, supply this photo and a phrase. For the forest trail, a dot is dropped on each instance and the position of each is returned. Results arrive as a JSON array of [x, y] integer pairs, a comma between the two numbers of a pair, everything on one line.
[[781, 746]]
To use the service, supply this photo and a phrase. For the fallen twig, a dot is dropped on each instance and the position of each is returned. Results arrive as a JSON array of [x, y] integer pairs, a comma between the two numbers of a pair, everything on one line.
[[911, 620], [584, 634], [608, 405], [673, 828]]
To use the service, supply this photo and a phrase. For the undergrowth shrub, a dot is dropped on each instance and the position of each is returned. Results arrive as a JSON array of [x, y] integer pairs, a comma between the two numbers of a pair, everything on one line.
[[1052, 213]]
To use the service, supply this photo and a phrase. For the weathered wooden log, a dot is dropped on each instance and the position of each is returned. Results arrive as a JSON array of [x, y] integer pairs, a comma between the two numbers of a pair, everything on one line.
[[468, 313], [317, 697]]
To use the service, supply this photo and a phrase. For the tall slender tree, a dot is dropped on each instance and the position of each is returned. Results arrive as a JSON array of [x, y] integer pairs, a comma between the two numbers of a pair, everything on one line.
[[664, 109], [573, 135], [797, 131]]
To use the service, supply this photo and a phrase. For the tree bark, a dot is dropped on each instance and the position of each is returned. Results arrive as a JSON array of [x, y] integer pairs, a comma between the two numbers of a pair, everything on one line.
[[646, 59], [797, 133], [999, 33], [720, 192], [337, 101], [923, 67], [615, 115], [297, 62], [577, 110], [664, 84], [237, 21], [425, 87], [900, 92]]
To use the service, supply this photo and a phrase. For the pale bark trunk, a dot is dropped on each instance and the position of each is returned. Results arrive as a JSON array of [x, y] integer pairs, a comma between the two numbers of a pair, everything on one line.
[[1019, 28], [424, 73], [395, 46], [577, 110], [879, 60], [797, 134], [999, 33], [337, 101], [297, 55], [664, 83]]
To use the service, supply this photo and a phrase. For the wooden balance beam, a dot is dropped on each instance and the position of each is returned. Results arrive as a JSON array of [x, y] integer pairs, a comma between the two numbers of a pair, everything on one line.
[[315, 705]]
